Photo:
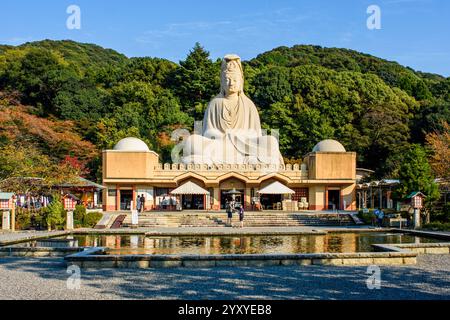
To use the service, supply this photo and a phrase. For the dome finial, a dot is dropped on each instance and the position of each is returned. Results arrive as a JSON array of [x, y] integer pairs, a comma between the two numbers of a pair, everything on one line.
[[131, 144], [328, 145]]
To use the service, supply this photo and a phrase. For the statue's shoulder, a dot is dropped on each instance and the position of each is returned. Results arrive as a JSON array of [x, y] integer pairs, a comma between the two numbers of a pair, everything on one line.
[[248, 101], [216, 101]]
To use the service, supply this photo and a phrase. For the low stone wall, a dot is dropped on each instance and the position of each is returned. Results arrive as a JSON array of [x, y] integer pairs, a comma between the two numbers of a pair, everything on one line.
[[428, 248], [37, 251], [425, 233], [97, 258], [20, 237]]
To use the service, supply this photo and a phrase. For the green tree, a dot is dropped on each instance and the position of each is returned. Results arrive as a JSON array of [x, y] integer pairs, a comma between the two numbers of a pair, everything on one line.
[[271, 86], [415, 175], [196, 81], [54, 213]]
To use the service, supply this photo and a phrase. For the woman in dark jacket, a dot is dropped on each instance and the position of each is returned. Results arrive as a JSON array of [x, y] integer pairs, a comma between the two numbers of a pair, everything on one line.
[[229, 212], [241, 215]]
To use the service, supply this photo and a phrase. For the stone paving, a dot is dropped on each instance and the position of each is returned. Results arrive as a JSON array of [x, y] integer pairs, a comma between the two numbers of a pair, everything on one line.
[[6, 237], [46, 278]]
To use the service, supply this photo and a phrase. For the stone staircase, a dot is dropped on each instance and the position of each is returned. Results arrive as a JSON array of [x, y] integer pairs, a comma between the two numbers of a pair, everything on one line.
[[151, 220], [252, 219], [258, 219]]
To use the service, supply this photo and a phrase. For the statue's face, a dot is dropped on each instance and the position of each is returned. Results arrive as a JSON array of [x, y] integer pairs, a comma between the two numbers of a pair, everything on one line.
[[233, 83]]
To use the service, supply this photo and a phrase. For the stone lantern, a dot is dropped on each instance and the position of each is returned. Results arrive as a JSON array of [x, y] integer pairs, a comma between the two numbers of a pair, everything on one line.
[[417, 198]]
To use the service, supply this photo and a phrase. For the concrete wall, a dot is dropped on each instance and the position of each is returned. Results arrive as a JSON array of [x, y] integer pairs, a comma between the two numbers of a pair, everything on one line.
[[331, 165], [123, 164]]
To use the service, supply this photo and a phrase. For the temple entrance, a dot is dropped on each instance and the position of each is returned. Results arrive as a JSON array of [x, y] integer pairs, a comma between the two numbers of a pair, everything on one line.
[[126, 196], [334, 199], [224, 196], [193, 201], [271, 201]]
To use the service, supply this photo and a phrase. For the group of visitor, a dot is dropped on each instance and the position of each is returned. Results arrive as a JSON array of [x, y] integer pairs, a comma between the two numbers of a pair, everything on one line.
[[231, 207], [140, 203]]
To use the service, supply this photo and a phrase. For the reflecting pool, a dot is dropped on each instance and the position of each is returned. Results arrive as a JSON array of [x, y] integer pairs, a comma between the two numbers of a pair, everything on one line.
[[248, 244]]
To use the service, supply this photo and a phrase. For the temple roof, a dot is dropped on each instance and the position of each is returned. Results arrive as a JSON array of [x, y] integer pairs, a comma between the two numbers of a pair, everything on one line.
[[276, 188], [189, 188]]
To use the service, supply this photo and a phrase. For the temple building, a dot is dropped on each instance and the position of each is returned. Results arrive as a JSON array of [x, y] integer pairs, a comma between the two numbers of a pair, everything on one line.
[[231, 154], [326, 178]]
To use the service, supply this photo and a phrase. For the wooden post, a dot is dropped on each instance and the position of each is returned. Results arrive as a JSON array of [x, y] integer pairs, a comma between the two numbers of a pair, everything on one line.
[[13, 213]]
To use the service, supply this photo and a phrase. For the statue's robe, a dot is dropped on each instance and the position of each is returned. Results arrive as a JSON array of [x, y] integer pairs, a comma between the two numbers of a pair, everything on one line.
[[231, 134]]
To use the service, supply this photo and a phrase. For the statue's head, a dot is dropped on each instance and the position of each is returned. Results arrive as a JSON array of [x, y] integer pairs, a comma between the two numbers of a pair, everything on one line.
[[232, 75]]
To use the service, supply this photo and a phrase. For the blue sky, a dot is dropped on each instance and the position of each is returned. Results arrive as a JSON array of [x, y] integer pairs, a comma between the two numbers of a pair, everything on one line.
[[415, 33]]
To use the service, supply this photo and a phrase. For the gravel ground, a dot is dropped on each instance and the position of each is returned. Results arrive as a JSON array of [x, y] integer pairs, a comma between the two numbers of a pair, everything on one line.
[[46, 278]]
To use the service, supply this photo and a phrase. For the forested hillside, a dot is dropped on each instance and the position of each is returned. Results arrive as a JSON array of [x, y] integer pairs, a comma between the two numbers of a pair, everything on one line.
[[62, 98]]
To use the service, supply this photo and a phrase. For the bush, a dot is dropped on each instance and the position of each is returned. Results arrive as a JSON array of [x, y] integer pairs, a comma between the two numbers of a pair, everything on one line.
[[23, 219], [30, 219], [437, 226], [366, 217], [442, 215], [82, 219], [55, 213], [91, 219], [79, 215]]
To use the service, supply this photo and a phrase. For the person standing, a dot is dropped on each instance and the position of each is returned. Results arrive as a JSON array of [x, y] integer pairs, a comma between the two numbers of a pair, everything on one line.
[[241, 215], [142, 206], [229, 212], [375, 217], [380, 218], [138, 203]]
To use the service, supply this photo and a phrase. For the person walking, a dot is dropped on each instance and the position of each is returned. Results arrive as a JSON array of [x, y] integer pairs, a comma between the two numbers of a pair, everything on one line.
[[241, 215]]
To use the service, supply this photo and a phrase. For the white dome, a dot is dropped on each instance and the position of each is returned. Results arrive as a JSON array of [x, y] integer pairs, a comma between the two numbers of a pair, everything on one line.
[[131, 144], [329, 145]]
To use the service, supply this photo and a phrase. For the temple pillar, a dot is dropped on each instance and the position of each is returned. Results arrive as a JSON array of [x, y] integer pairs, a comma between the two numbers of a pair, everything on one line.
[[134, 199], [216, 205], [247, 198], [117, 198], [348, 195]]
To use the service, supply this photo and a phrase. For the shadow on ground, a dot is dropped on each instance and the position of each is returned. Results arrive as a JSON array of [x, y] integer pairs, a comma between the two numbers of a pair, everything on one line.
[[45, 278]]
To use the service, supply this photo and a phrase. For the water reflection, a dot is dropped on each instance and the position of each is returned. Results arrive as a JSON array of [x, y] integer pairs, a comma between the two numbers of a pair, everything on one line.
[[332, 242], [264, 244]]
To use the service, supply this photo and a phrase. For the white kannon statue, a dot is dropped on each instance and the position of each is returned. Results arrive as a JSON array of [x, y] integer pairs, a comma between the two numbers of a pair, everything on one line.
[[231, 131]]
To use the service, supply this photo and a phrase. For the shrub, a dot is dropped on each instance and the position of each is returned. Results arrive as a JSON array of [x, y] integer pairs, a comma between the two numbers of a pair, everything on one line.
[[366, 217], [437, 226], [442, 215], [55, 213], [23, 219], [83, 219], [79, 215], [91, 219]]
